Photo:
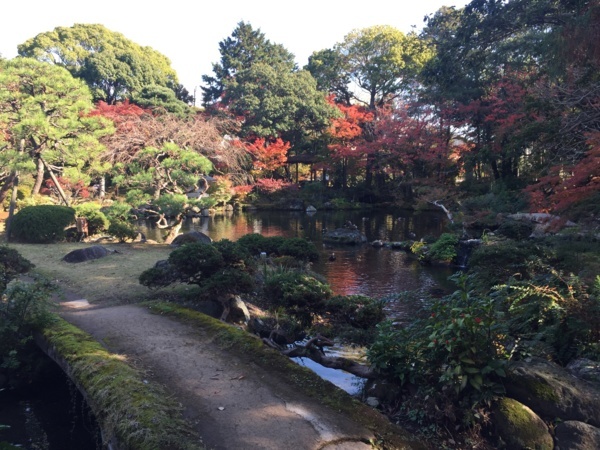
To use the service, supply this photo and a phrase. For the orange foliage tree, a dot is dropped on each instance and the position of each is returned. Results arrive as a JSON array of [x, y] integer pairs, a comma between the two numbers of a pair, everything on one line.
[[346, 135], [268, 156]]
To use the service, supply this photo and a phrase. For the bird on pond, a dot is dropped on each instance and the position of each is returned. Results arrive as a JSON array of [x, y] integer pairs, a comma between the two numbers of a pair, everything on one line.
[[332, 257]]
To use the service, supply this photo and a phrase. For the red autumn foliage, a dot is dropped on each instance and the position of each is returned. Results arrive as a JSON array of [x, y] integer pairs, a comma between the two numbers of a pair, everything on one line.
[[347, 131], [77, 189], [121, 113], [271, 186], [268, 156], [566, 186]]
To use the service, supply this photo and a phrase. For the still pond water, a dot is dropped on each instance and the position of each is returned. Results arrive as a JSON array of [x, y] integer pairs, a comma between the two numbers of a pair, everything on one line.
[[363, 269]]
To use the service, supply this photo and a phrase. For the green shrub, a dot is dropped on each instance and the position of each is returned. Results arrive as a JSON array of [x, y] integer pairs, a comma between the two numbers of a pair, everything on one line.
[[444, 249], [299, 248], [42, 224], [97, 220], [218, 269], [359, 311], [233, 254], [515, 229], [118, 211], [256, 243], [302, 295], [455, 357], [496, 261], [11, 265], [122, 230], [555, 310]]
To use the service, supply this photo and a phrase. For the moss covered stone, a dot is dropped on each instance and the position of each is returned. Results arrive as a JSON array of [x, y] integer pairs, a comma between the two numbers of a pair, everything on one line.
[[519, 427]]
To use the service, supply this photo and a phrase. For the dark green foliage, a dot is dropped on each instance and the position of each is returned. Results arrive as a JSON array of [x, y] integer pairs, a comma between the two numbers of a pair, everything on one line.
[[256, 243], [97, 220], [233, 254], [554, 311], [494, 263], [219, 269], [42, 224], [11, 265], [197, 261], [455, 356], [359, 311], [122, 230], [24, 308], [302, 295], [298, 248], [444, 249], [515, 229]]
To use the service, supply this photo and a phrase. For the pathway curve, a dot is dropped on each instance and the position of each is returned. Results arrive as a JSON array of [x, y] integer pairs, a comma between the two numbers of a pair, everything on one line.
[[232, 404]]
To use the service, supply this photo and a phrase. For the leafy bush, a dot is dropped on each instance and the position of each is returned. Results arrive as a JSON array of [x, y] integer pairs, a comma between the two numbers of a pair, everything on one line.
[[455, 356], [42, 224], [219, 269], [24, 308], [298, 248], [302, 295], [515, 229], [118, 211], [359, 311], [122, 230], [556, 310], [496, 261], [444, 249], [96, 219], [11, 265]]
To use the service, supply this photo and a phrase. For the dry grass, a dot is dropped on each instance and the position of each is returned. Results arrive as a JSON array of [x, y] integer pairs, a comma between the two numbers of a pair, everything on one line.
[[109, 280]]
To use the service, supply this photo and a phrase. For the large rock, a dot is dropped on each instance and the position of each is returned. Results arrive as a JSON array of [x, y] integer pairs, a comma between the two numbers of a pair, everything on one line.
[[189, 237], [585, 368], [346, 236], [552, 392], [86, 254], [572, 435], [519, 427]]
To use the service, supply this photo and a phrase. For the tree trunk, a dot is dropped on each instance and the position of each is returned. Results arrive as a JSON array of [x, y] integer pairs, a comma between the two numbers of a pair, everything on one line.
[[174, 229], [13, 204], [102, 188], [57, 184], [7, 184], [39, 177]]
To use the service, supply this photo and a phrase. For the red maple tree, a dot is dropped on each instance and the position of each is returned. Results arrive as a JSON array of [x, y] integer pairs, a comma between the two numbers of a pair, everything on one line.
[[268, 156]]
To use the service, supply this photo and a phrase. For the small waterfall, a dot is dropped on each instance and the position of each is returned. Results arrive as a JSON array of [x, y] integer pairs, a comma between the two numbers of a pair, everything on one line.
[[465, 248]]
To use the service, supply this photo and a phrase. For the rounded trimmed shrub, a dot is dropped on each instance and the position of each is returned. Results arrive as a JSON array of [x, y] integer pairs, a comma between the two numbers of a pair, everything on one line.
[[42, 224]]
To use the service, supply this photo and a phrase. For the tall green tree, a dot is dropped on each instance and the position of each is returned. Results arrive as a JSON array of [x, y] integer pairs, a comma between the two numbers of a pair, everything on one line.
[[278, 103], [114, 67], [331, 71], [245, 47], [382, 61], [44, 123]]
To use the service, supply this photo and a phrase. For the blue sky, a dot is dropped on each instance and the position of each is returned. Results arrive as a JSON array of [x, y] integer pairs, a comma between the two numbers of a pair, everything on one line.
[[188, 32]]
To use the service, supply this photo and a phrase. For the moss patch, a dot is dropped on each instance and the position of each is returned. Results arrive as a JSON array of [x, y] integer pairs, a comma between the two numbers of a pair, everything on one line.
[[137, 412], [519, 427]]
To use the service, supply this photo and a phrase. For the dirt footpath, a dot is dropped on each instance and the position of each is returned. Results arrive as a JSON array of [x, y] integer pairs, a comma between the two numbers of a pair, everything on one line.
[[233, 405]]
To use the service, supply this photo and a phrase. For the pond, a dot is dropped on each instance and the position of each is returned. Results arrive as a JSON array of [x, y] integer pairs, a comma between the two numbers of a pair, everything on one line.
[[363, 269]]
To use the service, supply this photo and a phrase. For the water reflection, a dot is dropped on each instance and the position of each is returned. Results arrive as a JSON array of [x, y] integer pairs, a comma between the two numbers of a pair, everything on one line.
[[377, 272]]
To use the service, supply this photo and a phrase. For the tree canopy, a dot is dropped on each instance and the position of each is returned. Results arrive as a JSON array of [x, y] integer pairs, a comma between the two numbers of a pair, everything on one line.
[[114, 67], [44, 121]]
